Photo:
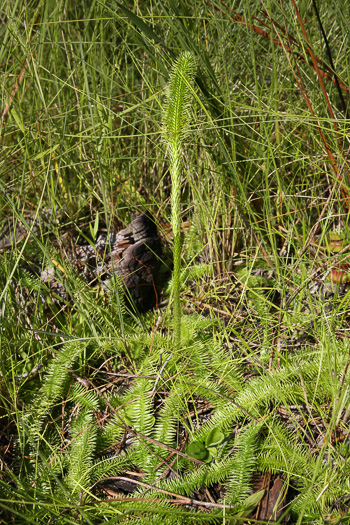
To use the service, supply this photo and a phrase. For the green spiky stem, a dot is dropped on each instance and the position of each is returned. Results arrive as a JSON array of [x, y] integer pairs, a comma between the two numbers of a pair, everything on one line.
[[176, 121], [175, 169]]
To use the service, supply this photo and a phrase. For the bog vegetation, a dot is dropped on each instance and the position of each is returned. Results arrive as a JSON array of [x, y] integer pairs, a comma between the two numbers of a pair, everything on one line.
[[229, 401]]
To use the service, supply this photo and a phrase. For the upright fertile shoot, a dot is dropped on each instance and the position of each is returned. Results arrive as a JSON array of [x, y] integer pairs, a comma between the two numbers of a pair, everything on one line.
[[175, 127]]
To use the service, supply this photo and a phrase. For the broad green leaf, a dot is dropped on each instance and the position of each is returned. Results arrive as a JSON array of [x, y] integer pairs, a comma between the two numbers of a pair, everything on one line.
[[46, 152], [213, 451], [140, 24], [18, 120], [94, 230], [215, 437], [250, 503], [197, 450]]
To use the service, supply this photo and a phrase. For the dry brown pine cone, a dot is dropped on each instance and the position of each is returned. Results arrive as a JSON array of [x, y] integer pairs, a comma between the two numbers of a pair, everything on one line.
[[133, 254]]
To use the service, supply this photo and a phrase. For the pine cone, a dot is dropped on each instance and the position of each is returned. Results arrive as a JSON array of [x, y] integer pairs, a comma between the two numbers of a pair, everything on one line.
[[135, 256]]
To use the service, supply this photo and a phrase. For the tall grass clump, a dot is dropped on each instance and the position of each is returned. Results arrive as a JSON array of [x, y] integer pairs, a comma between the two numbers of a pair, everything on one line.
[[175, 128]]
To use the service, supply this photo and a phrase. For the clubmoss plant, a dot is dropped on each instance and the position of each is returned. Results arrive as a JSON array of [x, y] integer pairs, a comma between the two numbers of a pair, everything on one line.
[[175, 127]]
